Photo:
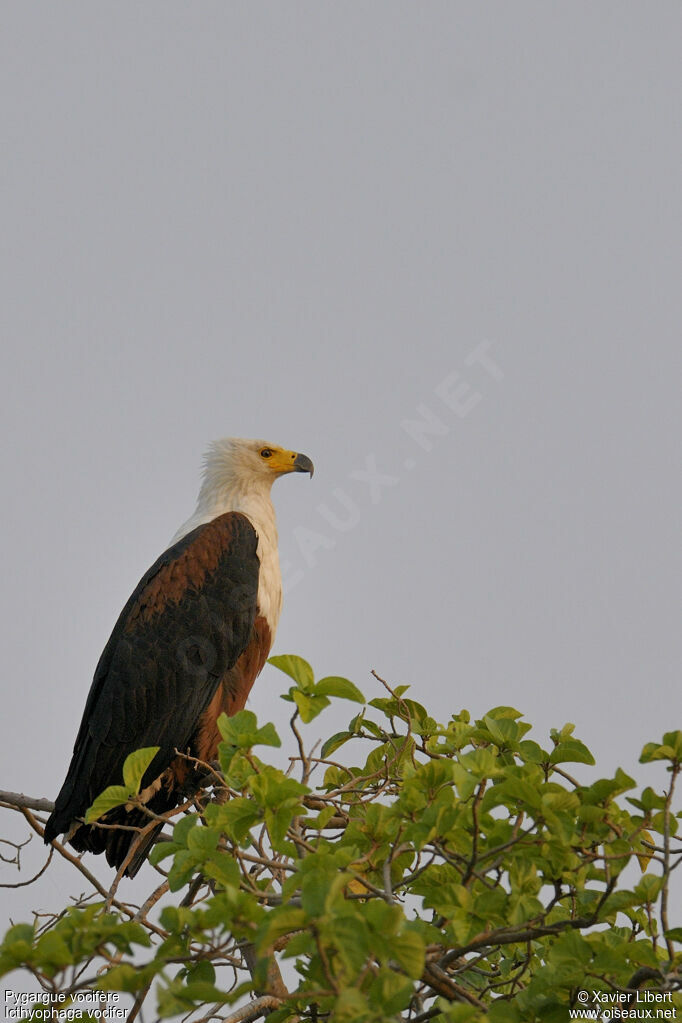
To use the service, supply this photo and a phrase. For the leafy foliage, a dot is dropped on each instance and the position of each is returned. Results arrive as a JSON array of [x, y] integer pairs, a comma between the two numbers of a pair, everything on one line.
[[441, 871]]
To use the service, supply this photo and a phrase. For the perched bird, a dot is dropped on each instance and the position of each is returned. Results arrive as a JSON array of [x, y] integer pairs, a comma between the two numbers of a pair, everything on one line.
[[187, 646]]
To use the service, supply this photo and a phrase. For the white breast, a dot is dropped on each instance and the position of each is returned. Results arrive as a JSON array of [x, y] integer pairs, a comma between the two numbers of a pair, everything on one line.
[[269, 579]]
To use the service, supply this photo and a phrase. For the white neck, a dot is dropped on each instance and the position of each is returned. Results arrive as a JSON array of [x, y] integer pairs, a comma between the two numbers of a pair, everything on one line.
[[255, 502]]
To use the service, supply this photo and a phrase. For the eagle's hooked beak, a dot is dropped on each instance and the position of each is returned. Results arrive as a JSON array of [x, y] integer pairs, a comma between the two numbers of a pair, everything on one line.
[[280, 461], [303, 464]]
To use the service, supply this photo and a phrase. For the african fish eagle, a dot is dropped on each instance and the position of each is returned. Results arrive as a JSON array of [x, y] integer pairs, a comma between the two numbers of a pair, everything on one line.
[[187, 646]]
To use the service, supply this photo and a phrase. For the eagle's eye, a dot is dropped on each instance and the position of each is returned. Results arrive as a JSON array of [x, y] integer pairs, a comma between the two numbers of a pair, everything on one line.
[[266, 453]]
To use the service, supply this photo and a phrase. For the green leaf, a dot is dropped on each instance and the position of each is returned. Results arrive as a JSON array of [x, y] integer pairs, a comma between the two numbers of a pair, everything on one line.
[[237, 766], [571, 751], [242, 731], [203, 972], [135, 766], [309, 706], [335, 742], [649, 887], [239, 816], [390, 992], [203, 840], [114, 795], [649, 800], [351, 1007], [127, 977], [532, 753], [504, 1012], [450, 1013], [517, 788], [222, 868], [184, 866], [334, 685], [19, 932], [53, 951], [504, 712], [504, 731], [408, 949], [670, 749], [161, 851], [182, 829], [296, 668], [282, 920], [267, 736], [204, 992], [674, 740]]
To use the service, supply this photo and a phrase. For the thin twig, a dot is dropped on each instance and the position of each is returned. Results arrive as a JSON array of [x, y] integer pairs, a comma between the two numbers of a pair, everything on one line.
[[666, 860], [23, 884]]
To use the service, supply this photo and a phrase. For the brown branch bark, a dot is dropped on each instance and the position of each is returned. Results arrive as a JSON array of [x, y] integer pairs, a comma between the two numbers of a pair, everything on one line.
[[444, 985], [254, 1010], [18, 801]]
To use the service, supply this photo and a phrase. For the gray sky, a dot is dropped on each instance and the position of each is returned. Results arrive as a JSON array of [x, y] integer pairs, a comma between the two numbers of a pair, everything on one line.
[[301, 222]]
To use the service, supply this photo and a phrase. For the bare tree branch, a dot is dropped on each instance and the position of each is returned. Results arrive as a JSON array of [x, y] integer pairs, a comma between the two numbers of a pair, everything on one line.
[[18, 801], [254, 1010]]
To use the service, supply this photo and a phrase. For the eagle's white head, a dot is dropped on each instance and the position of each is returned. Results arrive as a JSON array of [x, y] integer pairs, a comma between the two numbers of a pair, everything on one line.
[[238, 475], [235, 462]]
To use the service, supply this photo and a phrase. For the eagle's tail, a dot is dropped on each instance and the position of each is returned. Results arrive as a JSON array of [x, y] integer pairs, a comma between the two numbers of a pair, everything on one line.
[[122, 829]]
